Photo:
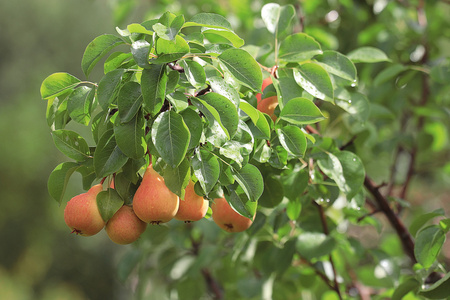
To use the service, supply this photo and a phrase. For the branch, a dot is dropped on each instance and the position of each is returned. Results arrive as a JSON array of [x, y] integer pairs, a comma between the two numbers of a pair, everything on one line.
[[212, 284], [402, 232], [325, 230]]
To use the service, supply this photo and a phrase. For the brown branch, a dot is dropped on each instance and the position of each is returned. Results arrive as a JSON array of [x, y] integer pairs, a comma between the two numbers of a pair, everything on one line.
[[402, 232], [213, 285], [175, 67], [330, 258]]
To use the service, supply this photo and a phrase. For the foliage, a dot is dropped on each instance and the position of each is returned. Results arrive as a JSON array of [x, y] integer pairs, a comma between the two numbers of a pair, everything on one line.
[[185, 93]]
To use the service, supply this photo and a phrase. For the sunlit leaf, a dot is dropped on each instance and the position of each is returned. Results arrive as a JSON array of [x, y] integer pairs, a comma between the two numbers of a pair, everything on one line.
[[97, 49]]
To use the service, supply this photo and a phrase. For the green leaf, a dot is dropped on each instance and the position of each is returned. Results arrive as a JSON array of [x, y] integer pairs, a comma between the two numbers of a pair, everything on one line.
[[243, 67], [58, 84], [389, 73], [207, 169], [240, 146], [289, 89], [367, 55], [173, 77], [235, 40], [337, 64], [195, 73], [108, 158], [273, 192], [293, 140], [108, 86], [208, 20], [301, 111], [356, 104], [169, 51], [439, 290], [195, 126], [140, 50], [314, 245], [422, 219], [411, 284], [101, 123], [115, 60], [171, 136], [217, 134], [130, 136], [225, 108], [177, 179], [140, 28], [298, 47], [108, 203], [79, 104], [221, 86], [315, 80], [277, 18], [346, 169], [153, 86], [429, 242], [240, 204], [71, 144], [97, 49], [58, 179], [293, 209], [250, 180], [169, 32], [129, 101]]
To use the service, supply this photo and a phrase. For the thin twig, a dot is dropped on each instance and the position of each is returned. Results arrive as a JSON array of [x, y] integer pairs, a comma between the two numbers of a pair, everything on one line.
[[402, 232], [325, 230]]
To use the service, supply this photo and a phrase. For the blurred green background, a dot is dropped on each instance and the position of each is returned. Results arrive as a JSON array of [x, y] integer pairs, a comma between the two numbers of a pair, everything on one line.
[[39, 259]]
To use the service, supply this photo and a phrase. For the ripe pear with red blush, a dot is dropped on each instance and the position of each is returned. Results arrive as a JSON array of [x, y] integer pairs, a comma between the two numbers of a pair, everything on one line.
[[193, 207], [82, 215], [125, 227], [153, 202], [266, 82], [268, 105], [227, 218]]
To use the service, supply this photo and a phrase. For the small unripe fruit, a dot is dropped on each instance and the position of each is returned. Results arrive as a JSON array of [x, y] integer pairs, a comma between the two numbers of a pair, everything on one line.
[[193, 207], [125, 227], [153, 202], [81, 213], [227, 218]]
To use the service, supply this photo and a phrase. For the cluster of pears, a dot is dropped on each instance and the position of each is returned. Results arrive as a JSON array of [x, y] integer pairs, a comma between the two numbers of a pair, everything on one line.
[[153, 203]]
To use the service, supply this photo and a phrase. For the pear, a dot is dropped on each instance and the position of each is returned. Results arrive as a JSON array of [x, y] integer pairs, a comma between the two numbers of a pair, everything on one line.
[[265, 83], [193, 207], [153, 202], [268, 105], [227, 218], [81, 213], [125, 227]]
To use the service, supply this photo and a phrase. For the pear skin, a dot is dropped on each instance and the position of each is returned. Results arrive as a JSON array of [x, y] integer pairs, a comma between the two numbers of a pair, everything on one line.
[[193, 207], [266, 82], [153, 202], [125, 227], [227, 218], [268, 105], [81, 213]]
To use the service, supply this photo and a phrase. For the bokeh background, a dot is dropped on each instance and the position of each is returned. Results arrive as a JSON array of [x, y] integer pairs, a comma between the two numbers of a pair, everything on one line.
[[39, 258]]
